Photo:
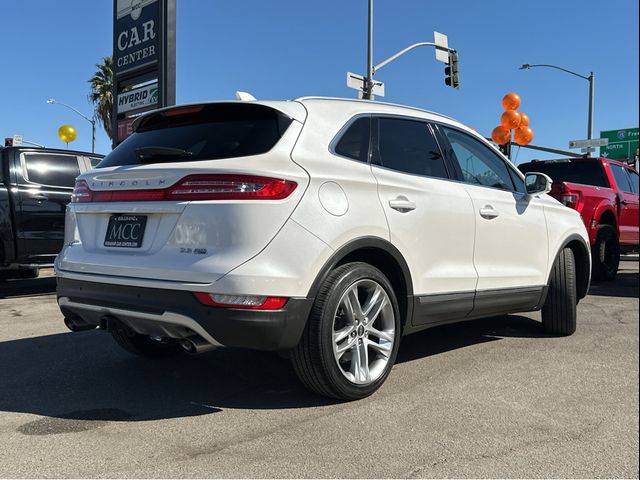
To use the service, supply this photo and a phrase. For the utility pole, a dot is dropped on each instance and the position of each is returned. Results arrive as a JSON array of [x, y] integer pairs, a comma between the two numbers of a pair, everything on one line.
[[366, 94]]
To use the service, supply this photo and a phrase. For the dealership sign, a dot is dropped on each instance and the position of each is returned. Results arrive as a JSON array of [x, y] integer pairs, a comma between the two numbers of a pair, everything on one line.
[[144, 59], [138, 98], [136, 34]]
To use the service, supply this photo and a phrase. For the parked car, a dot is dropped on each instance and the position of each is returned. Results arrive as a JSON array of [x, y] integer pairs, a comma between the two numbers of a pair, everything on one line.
[[326, 228], [35, 188], [605, 193]]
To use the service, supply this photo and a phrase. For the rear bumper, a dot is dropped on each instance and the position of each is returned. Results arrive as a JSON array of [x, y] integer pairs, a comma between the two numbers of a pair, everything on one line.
[[178, 314]]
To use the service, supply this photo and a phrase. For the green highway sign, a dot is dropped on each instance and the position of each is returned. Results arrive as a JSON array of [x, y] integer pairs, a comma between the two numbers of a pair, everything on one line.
[[623, 143]]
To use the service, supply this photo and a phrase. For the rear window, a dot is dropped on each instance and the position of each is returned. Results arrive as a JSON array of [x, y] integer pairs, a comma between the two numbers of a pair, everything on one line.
[[584, 173], [202, 132]]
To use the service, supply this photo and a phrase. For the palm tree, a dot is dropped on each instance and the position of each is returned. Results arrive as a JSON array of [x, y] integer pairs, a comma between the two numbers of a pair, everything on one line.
[[101, 94]]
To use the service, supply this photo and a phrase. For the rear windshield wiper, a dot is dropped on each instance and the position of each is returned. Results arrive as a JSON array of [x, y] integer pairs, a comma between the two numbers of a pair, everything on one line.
[[151, 154]]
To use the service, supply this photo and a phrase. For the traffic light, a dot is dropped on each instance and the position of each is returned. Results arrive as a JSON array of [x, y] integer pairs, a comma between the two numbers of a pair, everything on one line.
[[8, 142], [451, 76]]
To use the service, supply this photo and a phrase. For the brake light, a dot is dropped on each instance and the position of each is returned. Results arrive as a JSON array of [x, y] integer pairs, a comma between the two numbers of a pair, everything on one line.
[[250, 302], [195, 187], [569, 198]]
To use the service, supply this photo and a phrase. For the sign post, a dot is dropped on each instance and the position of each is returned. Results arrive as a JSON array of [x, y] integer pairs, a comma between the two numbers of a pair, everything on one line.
[[144, 60]]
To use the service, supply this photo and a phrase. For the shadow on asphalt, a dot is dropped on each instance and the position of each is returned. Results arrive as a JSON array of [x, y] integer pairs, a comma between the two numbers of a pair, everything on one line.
[[625, 285], [23, 288], [84, 377]]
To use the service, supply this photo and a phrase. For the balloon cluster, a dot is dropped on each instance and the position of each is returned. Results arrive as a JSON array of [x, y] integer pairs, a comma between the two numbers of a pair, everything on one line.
[[511, 119], [67, 133]]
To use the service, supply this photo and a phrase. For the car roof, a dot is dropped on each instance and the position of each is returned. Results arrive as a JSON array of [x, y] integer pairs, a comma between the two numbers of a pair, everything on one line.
[[578, 159]]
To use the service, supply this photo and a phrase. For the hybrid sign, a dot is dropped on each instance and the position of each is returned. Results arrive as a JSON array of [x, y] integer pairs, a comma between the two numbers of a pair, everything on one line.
[[138, 98], [144, 60]]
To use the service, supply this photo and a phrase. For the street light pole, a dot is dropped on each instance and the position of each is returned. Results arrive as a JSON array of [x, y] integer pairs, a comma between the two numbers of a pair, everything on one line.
[[92, 121], [591, 79]]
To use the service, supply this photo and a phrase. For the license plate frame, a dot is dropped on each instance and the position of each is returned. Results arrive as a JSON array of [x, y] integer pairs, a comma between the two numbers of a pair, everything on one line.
[[125, 230]]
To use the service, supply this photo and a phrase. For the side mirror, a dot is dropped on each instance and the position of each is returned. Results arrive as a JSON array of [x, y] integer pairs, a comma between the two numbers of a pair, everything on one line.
[[537, 183]]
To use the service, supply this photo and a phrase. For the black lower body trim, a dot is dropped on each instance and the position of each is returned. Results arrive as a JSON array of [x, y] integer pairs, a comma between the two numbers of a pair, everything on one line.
[[255, 329], [431, 310]]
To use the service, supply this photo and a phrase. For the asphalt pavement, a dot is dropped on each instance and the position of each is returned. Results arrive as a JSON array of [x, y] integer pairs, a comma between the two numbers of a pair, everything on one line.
[[487, 398]]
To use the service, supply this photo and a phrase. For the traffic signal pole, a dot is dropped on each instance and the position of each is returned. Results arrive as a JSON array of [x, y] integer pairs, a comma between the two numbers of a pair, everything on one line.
[[368, 88]]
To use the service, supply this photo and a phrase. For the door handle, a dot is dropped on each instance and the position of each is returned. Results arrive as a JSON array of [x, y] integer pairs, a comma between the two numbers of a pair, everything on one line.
[[488, 212], [402, 204], [39, 197]]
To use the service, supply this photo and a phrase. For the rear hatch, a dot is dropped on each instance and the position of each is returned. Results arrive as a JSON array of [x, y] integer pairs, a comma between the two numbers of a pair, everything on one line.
[[569, 174], [194, 192]]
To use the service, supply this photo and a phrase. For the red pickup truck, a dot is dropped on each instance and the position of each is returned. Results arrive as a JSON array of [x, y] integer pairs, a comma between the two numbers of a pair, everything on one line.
[[605, 193]]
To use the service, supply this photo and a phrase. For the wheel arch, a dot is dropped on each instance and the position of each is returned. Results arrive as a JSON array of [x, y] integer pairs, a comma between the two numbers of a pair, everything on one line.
[[385, 257], [582, 256]]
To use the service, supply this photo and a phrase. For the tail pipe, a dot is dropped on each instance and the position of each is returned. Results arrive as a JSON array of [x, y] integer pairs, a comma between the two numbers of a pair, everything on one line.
[[76, 324], [196, 344]]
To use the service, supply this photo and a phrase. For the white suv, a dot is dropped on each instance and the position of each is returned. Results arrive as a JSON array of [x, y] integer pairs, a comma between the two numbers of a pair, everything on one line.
[[326, 228]]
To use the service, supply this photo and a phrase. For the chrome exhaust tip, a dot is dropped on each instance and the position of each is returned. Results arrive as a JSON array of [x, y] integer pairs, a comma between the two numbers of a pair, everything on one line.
[[196, 344], [78, 325]]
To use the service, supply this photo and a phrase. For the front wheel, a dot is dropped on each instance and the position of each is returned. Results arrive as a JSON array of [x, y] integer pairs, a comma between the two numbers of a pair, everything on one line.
[[352, 336], [559, 312]]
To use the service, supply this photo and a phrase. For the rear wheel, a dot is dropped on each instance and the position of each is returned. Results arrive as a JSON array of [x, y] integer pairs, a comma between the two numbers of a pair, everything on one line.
[[559, 311], [351, 339], [28, 273], [605, 253], [144, 345]]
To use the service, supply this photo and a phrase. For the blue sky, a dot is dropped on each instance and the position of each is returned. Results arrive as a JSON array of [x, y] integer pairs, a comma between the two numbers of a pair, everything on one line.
[[281, 49]]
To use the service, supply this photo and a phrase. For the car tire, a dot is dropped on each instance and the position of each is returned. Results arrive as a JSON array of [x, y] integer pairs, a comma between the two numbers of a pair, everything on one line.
[[560, 308], [352, 336], [605, 254], [143, 345], [28, 273]]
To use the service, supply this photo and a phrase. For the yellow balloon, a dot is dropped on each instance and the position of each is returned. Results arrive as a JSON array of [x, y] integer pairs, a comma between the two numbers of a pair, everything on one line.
[[67, 133]]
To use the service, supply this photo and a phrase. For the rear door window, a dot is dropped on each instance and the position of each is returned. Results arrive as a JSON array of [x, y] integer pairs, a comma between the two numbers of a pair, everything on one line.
[[52, 169], [622, 179], [409, 146], [634, 180], [201, 132]]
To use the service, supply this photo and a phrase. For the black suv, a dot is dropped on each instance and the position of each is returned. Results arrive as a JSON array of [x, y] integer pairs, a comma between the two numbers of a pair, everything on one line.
[[35, 187]]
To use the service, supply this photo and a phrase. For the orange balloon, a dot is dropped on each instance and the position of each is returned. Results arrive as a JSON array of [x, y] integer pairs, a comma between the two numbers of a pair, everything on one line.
[[524, 119], [501, 135], [510, 119], [523, 135], [511, 101]]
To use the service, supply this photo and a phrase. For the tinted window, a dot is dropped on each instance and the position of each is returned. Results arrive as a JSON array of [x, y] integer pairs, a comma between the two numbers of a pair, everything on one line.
[[622, 179], [479, 165], [585, 173], [634, 180], [204, 132], [409, 146], [51, 169], [354, 143], [94, 161]]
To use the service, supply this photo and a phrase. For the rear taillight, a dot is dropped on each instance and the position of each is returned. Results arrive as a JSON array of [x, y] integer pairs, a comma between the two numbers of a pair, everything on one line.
[[195, 187], [569, 198], [251, 302]]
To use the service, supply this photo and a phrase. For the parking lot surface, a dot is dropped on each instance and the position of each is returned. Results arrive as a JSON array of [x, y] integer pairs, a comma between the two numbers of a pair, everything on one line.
[[487, 398]]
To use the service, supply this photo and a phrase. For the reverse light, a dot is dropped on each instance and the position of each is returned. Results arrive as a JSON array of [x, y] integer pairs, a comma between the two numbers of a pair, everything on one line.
[[195, 187], [251, 302]]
